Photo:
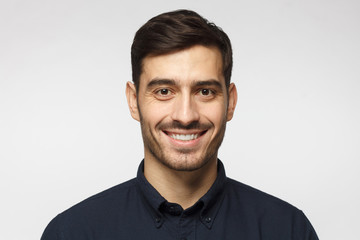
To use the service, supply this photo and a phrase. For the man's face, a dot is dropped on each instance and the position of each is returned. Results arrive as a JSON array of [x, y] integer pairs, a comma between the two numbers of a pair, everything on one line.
[[183, 106]]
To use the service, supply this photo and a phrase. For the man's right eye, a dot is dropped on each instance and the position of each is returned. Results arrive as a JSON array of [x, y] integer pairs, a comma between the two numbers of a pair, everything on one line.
[[164, 92]]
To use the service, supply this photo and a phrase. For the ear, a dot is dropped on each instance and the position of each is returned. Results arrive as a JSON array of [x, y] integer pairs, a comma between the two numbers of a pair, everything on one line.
[[132, 100], [231, 102]]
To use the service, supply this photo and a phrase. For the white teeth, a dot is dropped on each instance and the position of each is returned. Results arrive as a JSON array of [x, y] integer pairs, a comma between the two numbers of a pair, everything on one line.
[[183, 137]]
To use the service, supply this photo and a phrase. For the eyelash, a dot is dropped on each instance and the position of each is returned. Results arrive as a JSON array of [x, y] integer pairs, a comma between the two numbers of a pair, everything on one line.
[[210, 93], [161, 96], [162, 89]]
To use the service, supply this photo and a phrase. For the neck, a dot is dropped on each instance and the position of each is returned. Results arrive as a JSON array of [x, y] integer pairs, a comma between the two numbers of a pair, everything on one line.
[[182, 187]]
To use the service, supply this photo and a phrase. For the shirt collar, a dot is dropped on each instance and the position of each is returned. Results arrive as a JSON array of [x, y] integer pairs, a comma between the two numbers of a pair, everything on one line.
[[213, 198], [211, 201], [150, 195]]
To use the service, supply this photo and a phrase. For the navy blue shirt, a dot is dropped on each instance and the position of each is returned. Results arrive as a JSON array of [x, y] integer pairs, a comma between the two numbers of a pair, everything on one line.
[[135, 210]]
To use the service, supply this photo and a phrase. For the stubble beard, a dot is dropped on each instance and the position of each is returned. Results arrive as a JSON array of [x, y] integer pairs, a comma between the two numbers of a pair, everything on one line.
[[182, 159]]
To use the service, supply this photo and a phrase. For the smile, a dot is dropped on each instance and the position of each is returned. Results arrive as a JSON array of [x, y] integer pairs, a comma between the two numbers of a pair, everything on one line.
[[184, 136]]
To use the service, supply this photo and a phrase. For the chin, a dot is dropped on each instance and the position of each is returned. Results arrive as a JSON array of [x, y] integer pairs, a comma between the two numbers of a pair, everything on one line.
[[185, 162]]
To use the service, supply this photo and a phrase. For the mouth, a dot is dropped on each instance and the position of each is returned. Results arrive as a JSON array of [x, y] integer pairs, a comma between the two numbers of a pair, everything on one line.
[[185, 136]]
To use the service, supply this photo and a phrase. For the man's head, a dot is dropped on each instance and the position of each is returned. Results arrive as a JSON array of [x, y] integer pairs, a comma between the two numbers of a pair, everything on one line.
[[178, 30], [182, 93]]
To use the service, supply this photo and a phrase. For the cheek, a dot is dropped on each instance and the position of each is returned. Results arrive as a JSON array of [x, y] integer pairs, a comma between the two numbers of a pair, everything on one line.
[[214, 113], [154, 113]]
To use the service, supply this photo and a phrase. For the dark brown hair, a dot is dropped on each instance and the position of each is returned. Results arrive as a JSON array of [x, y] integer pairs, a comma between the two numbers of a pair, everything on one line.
[[174, 31]]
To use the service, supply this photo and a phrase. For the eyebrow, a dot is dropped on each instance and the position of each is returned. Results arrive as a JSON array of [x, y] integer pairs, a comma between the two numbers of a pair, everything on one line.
[[160, 81], [210, 82], [171, 82]]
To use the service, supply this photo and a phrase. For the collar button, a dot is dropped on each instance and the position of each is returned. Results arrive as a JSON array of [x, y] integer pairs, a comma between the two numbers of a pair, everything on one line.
[[208, 219]]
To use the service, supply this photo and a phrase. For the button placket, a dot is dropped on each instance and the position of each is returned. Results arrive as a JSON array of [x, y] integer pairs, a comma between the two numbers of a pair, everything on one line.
[[158, 221]]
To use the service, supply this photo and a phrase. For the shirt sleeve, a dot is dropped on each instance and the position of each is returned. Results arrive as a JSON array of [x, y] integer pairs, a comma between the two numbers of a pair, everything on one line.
[[52, 232], [303, 229]]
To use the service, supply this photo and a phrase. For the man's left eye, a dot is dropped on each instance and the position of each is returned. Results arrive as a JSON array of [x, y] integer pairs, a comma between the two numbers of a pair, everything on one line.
[[205, 92]]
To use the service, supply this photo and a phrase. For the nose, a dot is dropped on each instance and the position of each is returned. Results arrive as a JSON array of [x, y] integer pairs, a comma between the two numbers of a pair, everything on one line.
[[185, 110]]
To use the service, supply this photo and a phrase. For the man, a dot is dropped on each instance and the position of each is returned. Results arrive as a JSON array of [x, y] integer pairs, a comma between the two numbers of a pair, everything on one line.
[[182, 96]]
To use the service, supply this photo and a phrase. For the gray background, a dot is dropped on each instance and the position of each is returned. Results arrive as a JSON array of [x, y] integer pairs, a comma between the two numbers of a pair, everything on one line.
[[66, 132]]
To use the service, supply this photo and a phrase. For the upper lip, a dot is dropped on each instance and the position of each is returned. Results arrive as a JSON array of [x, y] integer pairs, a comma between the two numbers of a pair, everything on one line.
[[183, 132]]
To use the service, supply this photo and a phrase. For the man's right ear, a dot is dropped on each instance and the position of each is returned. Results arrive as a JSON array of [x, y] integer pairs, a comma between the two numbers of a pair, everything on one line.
[[132, 100]]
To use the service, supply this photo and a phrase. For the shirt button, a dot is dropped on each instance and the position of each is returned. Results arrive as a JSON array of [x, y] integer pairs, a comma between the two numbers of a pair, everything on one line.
[[208, 219], [157, 220]]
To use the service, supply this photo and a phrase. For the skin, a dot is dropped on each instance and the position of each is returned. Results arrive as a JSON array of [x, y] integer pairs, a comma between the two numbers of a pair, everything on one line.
[[183, 106]]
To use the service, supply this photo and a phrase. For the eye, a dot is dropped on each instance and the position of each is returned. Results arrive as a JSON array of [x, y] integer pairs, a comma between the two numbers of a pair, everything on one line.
[[163, 92], [205, 92]]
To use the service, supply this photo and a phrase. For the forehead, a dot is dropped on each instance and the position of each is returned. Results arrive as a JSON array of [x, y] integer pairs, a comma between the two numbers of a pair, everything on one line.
[[192, 64]]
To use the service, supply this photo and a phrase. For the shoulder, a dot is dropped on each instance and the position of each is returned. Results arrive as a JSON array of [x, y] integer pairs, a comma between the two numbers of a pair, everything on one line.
[[93, 212], [115, 193], [258, 199], [114, 197], [267, 211]]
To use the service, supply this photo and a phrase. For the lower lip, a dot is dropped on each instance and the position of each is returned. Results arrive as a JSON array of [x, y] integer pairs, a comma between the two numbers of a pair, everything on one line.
[[188, 144]]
